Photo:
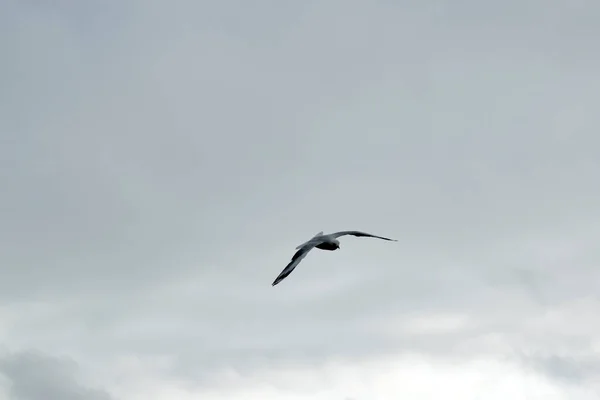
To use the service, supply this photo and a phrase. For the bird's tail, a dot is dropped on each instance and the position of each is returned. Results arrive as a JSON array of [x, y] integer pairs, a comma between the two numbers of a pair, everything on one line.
[[300, 245]]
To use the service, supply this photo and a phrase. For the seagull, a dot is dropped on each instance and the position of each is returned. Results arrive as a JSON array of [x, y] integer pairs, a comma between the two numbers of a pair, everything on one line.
[[323, 242]]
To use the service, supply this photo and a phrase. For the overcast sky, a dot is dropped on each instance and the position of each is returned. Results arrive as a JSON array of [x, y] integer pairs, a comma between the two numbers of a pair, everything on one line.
[[160, 161]]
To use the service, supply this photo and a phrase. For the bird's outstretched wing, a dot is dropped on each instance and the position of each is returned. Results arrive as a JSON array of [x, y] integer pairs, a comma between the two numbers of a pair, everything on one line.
[[300, 254], [359, 233], [311, 239]]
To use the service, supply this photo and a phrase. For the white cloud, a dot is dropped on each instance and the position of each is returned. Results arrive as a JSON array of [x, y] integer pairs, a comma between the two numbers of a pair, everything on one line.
[[437, 323], [403, 376]]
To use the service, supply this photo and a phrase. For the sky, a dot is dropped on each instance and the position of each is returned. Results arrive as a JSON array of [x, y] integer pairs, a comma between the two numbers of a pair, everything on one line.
[[160, 161]]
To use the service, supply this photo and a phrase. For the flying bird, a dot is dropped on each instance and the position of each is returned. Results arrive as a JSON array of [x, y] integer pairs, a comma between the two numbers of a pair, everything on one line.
[[323, 242]]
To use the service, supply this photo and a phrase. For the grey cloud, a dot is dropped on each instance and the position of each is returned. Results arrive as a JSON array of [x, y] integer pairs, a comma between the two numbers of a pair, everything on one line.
[[141, 154], [160, 163], [36, 376], [576, 369]]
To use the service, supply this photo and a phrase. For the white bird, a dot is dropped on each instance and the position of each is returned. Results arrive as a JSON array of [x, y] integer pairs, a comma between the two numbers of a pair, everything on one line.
[[323, 242]]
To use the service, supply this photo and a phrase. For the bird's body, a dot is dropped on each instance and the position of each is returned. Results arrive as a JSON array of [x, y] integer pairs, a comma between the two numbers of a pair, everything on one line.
[[323, 242], [331, 246]]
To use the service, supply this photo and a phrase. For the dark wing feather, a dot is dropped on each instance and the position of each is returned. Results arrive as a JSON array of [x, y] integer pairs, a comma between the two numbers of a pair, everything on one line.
[[300, 254], [360, 234]]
